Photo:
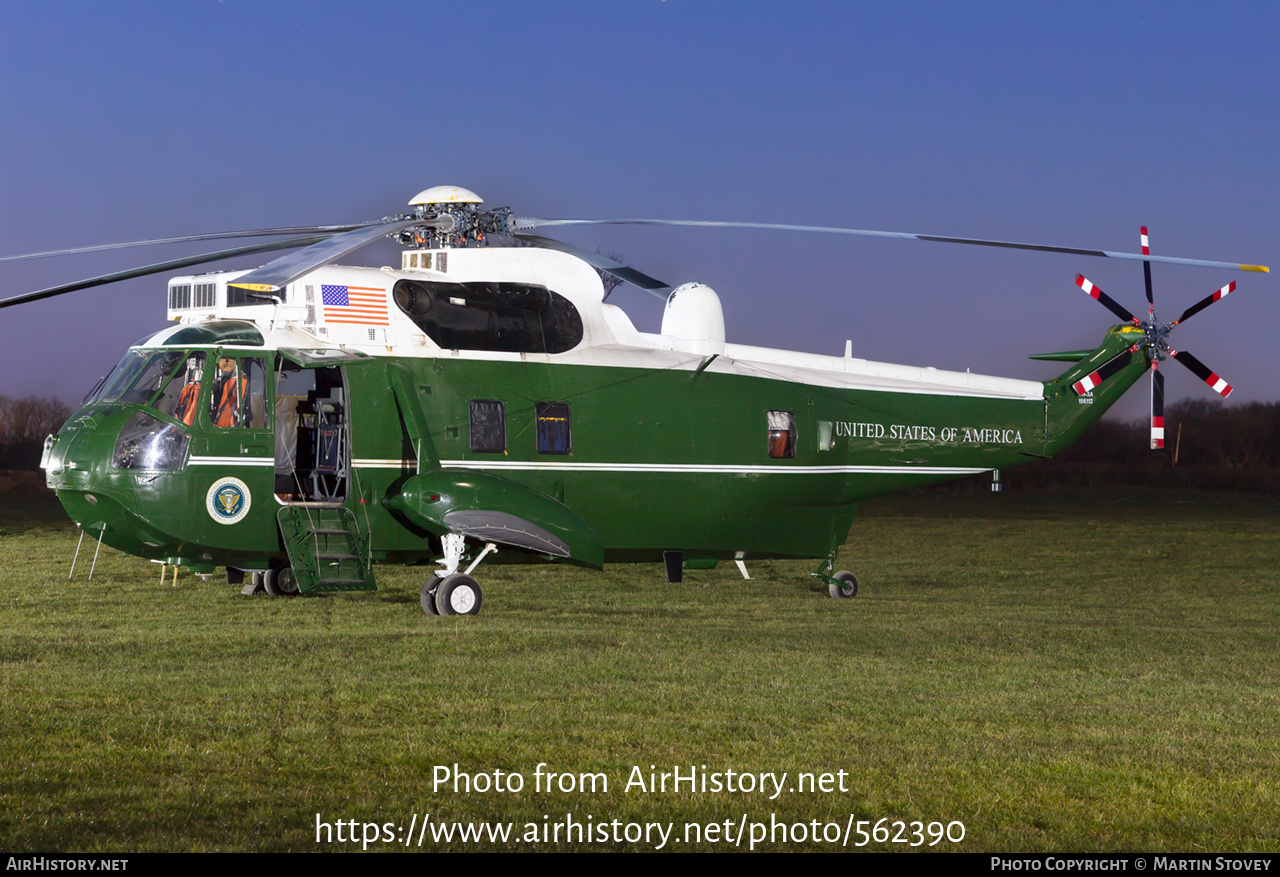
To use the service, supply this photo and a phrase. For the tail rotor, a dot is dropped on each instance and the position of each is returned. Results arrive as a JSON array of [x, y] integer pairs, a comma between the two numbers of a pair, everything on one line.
[[1155, 344]]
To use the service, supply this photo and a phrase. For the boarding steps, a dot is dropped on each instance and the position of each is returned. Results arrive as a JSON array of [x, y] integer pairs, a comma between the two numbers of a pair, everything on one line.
[[326, 548]]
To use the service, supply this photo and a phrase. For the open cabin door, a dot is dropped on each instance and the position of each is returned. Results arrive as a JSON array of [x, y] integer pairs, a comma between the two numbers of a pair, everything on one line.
[[327, 551], [313, 439]]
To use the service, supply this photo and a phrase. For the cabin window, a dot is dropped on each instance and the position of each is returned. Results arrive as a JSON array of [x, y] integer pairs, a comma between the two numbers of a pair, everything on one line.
[[179, 296], [205, 294], [553, 427], [488, 426], [239, 393], [782, 434], [826, 435], [509, 317]]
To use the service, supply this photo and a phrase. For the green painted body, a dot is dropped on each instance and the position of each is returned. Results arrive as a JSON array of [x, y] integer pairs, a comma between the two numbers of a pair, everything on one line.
[[661, 460]]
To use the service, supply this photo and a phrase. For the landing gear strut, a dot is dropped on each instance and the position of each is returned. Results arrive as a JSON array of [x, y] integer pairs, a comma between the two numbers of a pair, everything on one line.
[[449, 592]]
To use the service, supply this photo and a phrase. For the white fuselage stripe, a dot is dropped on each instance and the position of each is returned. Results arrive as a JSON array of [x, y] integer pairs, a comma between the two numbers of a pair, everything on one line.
[[678, 468], [231, 461]]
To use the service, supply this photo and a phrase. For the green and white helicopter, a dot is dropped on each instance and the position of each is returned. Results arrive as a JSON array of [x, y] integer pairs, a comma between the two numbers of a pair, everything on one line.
[[305, 420]]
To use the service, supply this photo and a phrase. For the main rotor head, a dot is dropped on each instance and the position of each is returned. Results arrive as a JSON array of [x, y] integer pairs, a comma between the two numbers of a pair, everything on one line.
[[452, 217]]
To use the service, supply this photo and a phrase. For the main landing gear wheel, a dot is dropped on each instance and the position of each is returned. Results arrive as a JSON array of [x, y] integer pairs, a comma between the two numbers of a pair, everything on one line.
[[427, 599], [280, 582], [458, 595], [847, 587]]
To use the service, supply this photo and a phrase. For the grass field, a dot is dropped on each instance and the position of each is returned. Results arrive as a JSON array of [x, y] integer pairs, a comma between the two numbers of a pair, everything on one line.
[[1057, 673]]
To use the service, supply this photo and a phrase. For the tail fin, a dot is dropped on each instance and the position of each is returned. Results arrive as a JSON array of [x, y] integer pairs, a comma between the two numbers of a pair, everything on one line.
[[1097, 380]]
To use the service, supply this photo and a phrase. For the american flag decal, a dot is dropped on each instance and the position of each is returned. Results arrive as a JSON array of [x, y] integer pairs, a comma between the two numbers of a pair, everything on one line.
[[363, 305]]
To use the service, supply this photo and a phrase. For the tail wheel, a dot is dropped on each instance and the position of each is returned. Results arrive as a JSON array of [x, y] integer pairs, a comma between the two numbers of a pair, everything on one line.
[[845, 586], [280, 582], [459, 594]]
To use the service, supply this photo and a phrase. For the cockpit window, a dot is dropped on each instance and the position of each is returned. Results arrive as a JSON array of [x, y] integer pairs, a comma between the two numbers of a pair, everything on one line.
[[119, 378], [239, 393], [180, 396], [138, 376], [510, 317]]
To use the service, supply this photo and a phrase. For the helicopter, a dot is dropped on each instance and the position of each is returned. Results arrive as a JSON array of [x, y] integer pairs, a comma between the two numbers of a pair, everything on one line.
[[304, 420]]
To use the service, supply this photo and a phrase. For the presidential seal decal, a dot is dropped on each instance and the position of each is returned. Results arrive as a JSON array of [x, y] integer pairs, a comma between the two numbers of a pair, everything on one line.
[[228, 500]]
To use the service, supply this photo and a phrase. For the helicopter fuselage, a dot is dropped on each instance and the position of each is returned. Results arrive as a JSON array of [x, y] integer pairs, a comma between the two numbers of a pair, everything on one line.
[[493, 393]]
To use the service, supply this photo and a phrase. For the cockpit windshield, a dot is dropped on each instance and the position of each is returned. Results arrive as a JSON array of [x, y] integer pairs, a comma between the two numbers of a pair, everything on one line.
[[138, 376]]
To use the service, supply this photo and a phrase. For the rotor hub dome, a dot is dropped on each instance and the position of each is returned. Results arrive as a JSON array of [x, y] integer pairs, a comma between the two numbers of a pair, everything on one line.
[[445, 195]]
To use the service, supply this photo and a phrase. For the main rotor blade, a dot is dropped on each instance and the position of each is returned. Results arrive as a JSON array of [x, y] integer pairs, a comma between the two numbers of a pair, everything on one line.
[[158, 267], [530, 222], [1157, 406], [1203, 372], [212, 236], [1146, 267], [1205, 302], [1104, 371], [604, 263], [1111, 304], [280, 272]]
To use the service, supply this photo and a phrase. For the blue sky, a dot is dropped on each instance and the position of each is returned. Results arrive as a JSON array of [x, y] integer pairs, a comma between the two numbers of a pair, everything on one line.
[[1061, 123]]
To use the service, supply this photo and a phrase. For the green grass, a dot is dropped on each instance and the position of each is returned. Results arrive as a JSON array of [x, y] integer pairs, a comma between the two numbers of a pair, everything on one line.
[[1059, 673]]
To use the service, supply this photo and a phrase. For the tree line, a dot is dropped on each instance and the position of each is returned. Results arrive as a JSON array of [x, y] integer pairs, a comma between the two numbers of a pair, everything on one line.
[[1197, 433], [24, 424], [1207, 446]]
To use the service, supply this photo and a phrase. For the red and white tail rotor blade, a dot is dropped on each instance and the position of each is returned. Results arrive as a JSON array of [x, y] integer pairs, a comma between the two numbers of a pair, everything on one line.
[[1104, 371], [1110, 303], [1157, 406], [1199, 306], [1203, 372]]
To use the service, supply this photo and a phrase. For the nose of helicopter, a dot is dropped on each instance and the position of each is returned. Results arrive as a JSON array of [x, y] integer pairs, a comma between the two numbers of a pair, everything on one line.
[[78, 465]]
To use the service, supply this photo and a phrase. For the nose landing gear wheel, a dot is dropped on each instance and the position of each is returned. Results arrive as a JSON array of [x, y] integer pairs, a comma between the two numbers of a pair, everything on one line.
[[458, 595], [847, 587]]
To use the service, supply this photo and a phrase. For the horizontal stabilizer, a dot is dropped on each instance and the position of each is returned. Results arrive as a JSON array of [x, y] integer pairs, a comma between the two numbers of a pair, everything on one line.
[[1063, 356]]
